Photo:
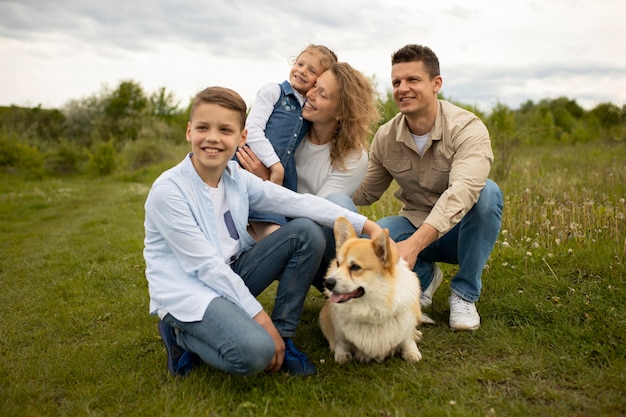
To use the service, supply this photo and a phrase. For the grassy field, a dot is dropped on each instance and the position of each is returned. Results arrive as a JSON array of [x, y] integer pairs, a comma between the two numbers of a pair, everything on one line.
[[76, 337]]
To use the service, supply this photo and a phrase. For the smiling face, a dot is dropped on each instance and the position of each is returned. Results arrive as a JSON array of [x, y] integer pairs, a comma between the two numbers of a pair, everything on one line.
[[215, 133], [322, 100], [413, 90], [305, 70]]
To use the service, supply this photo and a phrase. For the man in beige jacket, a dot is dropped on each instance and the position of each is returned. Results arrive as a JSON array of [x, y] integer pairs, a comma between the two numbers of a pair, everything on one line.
[[440, 156]]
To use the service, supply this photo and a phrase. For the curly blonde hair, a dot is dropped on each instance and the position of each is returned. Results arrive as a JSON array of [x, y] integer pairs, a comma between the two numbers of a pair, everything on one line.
[[358, 113]]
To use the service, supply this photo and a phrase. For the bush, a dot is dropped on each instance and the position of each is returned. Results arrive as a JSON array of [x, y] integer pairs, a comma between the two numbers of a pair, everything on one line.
[[103, 160], [144, 152], [64, 159], [8, 151], [21, 158]]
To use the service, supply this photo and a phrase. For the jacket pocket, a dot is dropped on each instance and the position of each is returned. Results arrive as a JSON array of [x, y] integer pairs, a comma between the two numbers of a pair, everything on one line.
[[397, 165]]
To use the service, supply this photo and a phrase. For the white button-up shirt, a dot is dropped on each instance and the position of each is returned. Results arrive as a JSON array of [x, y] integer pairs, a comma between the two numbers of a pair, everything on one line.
[[185, 266]]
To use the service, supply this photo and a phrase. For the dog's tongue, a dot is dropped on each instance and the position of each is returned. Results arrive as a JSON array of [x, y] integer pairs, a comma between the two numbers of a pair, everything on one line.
[[340, 298]]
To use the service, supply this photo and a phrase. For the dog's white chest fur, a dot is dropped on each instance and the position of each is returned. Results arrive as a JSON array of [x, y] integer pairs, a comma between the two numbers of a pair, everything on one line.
[[376, 333]]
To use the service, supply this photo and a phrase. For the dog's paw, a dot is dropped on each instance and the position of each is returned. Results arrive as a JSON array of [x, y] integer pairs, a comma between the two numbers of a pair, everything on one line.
[[412, 355], [342, 358], [418, 336], [425, 319]]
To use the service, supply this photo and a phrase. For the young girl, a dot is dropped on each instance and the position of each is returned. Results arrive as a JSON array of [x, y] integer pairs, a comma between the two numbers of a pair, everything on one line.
[[276, 127]]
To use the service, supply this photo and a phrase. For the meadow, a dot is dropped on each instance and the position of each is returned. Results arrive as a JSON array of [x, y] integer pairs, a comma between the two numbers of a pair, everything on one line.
[[76, 338]]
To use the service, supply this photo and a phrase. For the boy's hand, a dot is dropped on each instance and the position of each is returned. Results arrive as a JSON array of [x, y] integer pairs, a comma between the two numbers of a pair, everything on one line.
[[371, 229], [279, 356]]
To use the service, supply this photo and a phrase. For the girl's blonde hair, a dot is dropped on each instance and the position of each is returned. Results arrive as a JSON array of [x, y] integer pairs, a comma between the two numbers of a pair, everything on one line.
[[326, 55]]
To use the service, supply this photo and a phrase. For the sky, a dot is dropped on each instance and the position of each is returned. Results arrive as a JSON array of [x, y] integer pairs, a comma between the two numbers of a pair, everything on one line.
[[490, 51]]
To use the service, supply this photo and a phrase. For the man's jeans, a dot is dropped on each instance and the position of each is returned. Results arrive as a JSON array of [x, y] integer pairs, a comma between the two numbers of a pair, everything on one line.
[[229, 339], [468, 244]]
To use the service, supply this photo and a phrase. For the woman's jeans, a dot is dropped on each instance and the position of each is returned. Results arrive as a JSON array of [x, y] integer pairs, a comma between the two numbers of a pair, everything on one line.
[[468, 244], [230, 340], [330, 252]]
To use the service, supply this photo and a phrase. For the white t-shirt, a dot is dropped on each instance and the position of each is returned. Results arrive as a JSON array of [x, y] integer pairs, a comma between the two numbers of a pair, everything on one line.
[[420, 141], [317, 176], [225, 226]]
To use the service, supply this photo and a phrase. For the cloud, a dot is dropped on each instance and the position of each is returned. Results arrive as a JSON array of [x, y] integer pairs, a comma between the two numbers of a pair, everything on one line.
[[489, 50]]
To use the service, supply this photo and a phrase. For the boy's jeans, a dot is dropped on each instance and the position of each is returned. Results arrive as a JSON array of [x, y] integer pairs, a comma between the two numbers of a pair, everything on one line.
[[468, 244], [229, 339]]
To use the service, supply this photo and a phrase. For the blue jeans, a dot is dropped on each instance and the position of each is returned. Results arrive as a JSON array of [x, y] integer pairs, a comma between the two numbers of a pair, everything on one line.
[[329, 234], [468, 244], [230, 340]]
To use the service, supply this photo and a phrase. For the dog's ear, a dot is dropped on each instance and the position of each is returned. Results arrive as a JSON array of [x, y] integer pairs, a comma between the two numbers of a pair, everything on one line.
[[343, 231], [382, 249]]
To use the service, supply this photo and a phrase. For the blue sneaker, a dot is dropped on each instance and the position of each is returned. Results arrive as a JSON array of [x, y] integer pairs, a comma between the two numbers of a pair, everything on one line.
[[179, 361], [296, 363]]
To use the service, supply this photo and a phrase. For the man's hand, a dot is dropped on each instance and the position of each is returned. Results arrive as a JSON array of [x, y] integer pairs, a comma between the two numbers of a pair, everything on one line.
[[279, 356], [410, 248]]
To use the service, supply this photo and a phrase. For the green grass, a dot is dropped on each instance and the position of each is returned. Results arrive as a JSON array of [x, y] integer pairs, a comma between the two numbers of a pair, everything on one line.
[[76, 337]]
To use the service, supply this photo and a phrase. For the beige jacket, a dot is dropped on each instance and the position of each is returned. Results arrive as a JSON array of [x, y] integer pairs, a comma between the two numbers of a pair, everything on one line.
[[442, 185]]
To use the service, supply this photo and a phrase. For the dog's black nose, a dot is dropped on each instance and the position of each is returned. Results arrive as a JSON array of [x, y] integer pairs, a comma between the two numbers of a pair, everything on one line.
[[330, 283]]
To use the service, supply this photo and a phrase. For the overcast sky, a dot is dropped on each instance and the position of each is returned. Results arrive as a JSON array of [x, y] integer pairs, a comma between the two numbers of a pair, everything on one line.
[[490, 50]]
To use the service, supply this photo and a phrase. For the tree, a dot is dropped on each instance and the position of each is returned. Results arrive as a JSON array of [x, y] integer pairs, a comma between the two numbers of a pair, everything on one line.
[[501, 124], [122, 112]]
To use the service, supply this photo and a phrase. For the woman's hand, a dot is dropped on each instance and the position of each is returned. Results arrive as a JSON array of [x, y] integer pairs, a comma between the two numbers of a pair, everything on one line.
[[249, 161]]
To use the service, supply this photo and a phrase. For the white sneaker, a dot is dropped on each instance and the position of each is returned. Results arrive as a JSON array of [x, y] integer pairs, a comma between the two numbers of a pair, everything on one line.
[[426, 297], [463, 314]]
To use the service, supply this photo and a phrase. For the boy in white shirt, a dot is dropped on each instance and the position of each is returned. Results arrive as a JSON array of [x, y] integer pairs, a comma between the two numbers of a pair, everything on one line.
[[204, 270]]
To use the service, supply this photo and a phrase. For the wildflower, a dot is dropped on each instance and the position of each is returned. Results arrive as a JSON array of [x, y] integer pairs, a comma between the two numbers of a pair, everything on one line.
[[529, 254], [505, 244], [570, 251]]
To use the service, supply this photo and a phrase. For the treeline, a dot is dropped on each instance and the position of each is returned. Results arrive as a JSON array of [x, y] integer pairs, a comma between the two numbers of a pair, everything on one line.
[[128, 129]]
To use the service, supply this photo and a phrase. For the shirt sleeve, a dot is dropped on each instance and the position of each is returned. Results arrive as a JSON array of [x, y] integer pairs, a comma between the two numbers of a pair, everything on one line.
[[273, 198], [170, 214], [377, 178], [469, 171], [256, 122], [346, 180]]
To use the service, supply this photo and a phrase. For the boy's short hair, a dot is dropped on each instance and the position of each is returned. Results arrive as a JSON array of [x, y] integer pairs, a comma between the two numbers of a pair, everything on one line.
[[417, 53], [221, 96]]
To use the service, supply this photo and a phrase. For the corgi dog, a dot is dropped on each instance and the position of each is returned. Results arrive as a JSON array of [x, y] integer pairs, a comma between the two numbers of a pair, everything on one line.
[[373, 307]]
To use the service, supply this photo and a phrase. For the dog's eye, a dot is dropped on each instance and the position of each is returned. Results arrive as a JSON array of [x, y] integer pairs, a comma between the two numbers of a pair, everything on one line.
[[355, 267]]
